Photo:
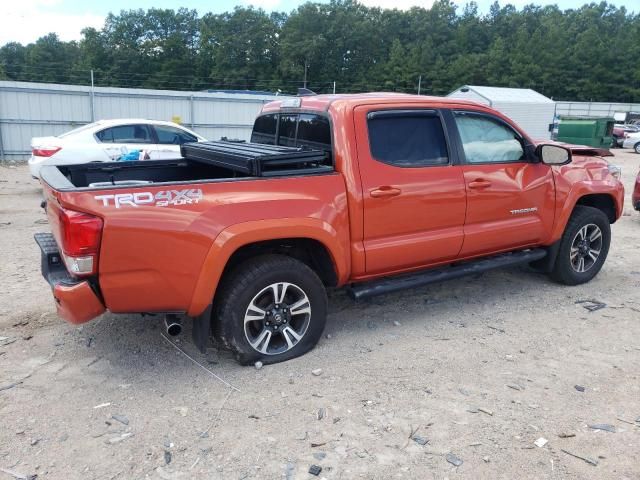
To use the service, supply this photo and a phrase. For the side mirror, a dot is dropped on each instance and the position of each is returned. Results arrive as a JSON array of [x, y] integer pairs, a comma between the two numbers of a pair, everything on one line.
[[553, 154]]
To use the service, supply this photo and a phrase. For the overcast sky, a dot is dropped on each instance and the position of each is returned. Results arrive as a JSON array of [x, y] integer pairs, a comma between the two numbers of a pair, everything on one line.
[[26, 20]]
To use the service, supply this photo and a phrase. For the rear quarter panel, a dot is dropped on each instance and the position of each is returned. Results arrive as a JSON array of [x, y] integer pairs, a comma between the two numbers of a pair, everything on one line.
[[155, 258]]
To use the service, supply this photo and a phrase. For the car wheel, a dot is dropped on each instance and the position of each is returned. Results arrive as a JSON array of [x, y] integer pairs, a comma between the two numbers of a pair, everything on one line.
[[271, 308], [584, 246], [636, 147]]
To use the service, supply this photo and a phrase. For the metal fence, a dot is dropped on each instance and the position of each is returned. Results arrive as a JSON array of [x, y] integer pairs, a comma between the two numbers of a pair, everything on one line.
[[594, 109], [37, 110]]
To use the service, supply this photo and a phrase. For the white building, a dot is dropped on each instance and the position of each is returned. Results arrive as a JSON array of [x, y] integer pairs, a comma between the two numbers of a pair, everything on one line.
[[532, 111]]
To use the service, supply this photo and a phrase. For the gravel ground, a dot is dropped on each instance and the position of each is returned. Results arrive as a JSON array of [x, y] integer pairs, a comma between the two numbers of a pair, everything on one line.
[[479, 368]]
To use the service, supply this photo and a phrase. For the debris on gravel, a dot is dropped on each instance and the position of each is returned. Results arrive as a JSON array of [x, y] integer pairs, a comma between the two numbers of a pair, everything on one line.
[[420, 440], [9, 386], [18, 476], [317, 372], [579, 388], [289, 473], [541, 442], [454, 459], [120, 418], [258, 365], [315, 470], [603, 426], [119, 438], [592, 305], [590, 461]]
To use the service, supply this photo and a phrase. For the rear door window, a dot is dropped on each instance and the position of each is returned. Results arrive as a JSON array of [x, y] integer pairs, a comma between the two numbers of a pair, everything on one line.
[[135, 133], [407, 138], [173, 136]]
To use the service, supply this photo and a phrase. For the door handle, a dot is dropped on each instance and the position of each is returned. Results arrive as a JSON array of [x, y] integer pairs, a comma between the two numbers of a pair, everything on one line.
[[480, 183], [385, 191]]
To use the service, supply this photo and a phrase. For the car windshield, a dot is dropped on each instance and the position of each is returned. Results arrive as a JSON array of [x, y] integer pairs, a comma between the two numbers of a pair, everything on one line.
[[78, 130]]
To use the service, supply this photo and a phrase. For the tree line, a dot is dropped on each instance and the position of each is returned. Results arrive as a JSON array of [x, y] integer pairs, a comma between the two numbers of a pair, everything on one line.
[[588, 53]]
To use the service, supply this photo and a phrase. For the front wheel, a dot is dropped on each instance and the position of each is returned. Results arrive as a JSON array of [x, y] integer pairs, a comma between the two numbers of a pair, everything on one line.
[[272, 308], [636, 147], [584, 246]]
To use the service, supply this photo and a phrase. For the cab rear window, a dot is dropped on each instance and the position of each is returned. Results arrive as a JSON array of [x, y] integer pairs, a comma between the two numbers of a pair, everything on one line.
[[264, 129], [293, 130]]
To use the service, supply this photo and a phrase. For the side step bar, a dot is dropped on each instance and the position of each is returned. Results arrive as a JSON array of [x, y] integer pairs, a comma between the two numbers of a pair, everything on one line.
[[402, 282]]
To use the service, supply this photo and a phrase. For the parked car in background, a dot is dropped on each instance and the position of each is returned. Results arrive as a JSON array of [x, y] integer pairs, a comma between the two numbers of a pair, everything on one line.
[[621, 131], [632, 140], [108, 140]]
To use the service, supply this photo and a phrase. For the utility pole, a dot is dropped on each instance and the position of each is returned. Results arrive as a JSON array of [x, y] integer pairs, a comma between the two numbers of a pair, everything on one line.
[[419, 83], [334, 88], [93, 102], [306, 65]]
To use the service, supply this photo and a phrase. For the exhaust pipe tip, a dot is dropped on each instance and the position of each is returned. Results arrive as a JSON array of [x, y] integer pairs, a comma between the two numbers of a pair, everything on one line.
[[173, 325]]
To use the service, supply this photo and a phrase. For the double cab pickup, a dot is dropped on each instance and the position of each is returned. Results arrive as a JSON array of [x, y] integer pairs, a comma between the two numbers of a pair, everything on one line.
[[370, 192]]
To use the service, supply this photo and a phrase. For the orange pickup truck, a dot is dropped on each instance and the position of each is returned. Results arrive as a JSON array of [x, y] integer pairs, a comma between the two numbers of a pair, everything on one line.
[[371, 192]]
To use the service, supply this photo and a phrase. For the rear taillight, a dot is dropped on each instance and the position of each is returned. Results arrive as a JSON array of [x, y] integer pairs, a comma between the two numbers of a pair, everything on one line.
[[45, 151], [80, 235]]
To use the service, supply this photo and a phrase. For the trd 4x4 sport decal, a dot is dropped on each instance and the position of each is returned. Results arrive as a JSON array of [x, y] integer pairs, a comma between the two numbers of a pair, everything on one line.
[[163, 198]]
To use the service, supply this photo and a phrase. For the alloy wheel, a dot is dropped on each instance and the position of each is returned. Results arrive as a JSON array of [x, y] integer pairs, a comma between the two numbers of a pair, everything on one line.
[[585, 248], [277, 318]]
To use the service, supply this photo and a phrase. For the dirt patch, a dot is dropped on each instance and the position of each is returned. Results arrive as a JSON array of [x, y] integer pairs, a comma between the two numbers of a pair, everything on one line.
[[459, 379]]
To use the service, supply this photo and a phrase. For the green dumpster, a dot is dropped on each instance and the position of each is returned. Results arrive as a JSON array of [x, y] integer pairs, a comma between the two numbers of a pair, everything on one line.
[[593, 132]]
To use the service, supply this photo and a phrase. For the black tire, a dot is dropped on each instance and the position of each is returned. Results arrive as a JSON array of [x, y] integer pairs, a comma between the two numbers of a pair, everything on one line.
[[251, 283], [636, 147], [564, 270]]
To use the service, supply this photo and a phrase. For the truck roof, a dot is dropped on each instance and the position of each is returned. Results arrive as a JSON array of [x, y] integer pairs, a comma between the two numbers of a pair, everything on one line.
[[323, 102]]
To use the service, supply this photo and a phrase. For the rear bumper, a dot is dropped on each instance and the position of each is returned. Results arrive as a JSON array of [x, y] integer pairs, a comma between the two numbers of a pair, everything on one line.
[[76, 300]]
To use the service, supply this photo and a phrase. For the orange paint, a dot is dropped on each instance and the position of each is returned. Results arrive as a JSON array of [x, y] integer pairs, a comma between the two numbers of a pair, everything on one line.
[[374, 219]]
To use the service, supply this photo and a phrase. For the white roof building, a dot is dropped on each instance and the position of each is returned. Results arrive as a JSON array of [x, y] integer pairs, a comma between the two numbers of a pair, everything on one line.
[[532, 111]]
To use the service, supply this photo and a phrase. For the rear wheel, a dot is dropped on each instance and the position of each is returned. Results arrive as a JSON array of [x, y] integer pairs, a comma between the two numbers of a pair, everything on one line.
[[584, 246], [636, 147], [272, 308]]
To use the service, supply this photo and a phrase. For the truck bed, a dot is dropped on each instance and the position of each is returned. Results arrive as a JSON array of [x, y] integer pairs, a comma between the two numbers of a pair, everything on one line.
[[206, 161]]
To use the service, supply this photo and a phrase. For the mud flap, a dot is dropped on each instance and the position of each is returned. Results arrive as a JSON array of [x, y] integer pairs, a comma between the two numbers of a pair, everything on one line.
[[546, 264], [202, 329]]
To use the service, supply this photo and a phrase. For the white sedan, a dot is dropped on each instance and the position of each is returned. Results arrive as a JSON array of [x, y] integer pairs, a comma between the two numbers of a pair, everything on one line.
[[632, 140], [110, 140]]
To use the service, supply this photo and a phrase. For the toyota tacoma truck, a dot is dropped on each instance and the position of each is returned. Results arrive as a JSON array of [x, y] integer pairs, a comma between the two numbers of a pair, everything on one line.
[[370, 192]]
